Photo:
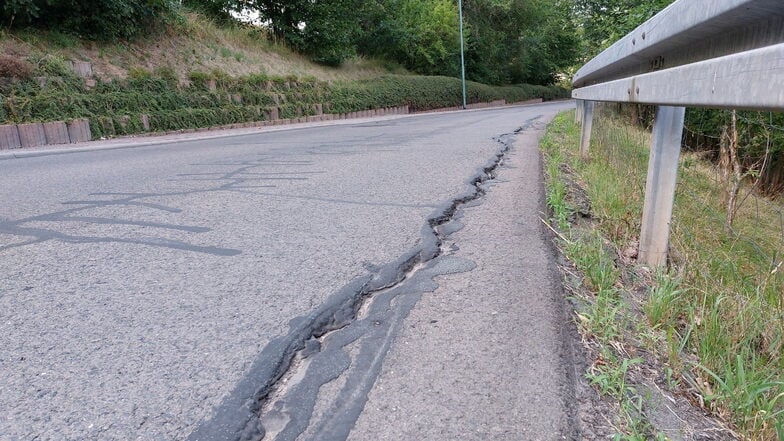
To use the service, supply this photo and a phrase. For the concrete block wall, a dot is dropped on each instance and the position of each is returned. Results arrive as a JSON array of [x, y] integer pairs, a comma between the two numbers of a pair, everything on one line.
[[14, 136], [31, 135], [9, 137], [56, 133], [82, 69]]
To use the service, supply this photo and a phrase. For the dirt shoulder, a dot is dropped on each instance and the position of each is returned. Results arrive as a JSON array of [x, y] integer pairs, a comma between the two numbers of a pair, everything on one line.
[[629, 386]]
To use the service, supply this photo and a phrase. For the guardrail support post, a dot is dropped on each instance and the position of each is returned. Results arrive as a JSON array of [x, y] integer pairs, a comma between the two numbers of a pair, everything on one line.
[[578, 112], [660, 186], [587, 126]]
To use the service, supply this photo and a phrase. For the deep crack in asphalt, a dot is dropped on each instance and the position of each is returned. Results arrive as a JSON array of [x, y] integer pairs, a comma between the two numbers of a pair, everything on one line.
[[368, 311]]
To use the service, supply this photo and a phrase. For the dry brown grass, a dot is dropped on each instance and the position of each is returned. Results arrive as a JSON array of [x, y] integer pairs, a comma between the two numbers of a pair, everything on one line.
[[196, 44], [14, 67]]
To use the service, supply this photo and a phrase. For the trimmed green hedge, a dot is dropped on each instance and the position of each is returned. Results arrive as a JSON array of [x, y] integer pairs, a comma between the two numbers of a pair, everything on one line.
[[115, 108], [53, 105], [427, 93]]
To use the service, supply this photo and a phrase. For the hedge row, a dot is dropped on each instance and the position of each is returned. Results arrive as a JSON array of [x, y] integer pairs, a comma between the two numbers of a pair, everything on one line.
[[57, 106], [114, 108], [222, 82], [427, 93], [105, 126]]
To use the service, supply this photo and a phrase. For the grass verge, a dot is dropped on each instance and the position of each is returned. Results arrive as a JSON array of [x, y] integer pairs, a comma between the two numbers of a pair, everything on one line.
[[712, 324]]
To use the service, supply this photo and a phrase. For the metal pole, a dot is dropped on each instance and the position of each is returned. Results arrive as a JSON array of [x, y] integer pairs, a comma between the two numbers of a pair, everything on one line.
[[587, 126], [660, 186], [462, 56]]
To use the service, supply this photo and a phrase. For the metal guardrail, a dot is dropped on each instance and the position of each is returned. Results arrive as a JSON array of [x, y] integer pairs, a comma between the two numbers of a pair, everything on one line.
[[694, 53]]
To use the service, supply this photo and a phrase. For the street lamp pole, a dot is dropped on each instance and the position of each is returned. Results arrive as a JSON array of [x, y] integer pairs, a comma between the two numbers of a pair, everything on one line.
[[462, 55]]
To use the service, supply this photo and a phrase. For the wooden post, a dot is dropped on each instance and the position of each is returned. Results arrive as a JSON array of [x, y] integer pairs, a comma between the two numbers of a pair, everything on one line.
[[660, 186], [578, 117], [587, 126]]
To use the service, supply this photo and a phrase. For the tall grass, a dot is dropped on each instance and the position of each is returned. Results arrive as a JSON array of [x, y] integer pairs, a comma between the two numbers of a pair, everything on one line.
[[722, 299], [599, 317]]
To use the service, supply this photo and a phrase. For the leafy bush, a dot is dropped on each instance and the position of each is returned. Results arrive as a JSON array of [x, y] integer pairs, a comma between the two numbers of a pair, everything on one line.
[[54, 65], [105, 20], [199, 79], [257, 80]]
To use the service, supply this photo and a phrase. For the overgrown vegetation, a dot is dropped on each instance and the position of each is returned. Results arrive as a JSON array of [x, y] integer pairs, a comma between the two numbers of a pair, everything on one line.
[[507, 42], [215, 98], [599, 317], [193, 42], [714, 319], [758, 143]]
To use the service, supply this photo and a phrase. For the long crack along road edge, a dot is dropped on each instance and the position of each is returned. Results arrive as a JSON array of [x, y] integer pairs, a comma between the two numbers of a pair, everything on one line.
[[238, 417]]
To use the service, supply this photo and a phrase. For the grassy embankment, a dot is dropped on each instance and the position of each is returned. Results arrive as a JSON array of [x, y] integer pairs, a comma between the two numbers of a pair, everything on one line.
[[196, 43], [199, 74], [713, 322]]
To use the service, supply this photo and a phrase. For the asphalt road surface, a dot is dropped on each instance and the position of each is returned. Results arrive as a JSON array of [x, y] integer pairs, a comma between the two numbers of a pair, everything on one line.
[[222, 288]]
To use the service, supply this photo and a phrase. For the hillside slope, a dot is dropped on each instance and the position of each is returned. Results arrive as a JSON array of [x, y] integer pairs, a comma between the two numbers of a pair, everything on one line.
[[196, 75], [194, 44]]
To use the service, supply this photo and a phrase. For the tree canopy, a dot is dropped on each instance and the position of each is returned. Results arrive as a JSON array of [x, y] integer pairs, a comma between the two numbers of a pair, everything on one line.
[[99, 20], [507, 41], [602, 22]]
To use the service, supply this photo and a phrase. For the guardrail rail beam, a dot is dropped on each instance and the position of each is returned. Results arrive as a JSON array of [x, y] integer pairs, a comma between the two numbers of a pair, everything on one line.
[[695, 53]]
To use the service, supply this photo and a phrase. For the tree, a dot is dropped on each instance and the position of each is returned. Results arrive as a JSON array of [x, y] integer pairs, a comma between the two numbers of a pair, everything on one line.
[[519, 41], [219, 10], [99, 20], [605, 21], [282, 16], [422, 35], [327, 31]]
